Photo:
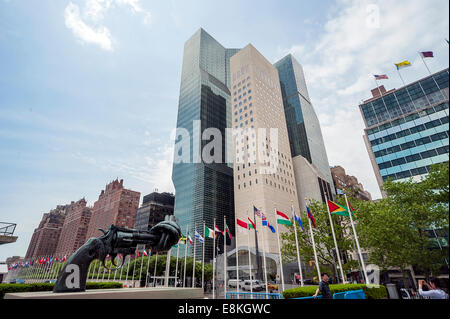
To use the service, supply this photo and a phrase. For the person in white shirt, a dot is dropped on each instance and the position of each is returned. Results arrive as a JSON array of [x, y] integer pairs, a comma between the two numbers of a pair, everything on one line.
[[434, 292]]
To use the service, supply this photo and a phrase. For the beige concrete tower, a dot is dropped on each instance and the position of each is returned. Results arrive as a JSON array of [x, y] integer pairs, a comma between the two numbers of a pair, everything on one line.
[[263, 169]]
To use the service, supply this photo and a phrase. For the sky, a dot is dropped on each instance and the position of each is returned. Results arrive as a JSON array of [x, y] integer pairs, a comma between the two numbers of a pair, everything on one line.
[[89, 88]]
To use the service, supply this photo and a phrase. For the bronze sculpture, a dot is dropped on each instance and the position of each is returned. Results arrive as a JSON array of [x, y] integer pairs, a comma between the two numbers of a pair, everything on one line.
[[117, 240]]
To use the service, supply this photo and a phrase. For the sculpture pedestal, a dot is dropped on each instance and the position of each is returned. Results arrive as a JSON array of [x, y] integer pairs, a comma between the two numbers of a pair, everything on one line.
[[123, 293]]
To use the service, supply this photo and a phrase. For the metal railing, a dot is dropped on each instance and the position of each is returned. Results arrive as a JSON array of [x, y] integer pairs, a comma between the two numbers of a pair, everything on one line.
[[252, 295], [7, 229]]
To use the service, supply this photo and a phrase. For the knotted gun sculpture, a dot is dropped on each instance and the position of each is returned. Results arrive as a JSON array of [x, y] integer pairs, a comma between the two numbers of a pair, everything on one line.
[[117, 240]]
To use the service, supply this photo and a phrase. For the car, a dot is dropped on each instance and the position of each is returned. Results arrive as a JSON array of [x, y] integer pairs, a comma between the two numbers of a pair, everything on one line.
[[252, 285], [232, 283], [17, 281], [50, 281], [272, 286]]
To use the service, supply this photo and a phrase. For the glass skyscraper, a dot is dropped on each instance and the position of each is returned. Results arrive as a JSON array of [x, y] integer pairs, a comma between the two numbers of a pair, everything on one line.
[[407, 129], [305, 135], [204, 191]]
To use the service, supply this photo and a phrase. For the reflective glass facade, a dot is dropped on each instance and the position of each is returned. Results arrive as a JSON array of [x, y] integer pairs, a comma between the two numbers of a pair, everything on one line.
[[204, 191], [305, 135], [407, 130]]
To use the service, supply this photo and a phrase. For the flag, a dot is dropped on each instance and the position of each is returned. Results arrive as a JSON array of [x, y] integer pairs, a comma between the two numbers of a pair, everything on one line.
[[252, 224], [217, 230], [311, 217], [190, 239], [381, 77], [209, 233], [137, 254], [64, 258], [283, 219], [227, 230], [337, 209], [271, 228], [257, 211], [403, 64], [182, 240], [264, 221], [298, 220], [198, 236], [241, 223], [427, 54], [145, 253]]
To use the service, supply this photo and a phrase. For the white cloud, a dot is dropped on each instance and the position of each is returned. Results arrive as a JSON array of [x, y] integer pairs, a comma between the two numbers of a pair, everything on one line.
[[340, 62], [86, 34], [87, 25]]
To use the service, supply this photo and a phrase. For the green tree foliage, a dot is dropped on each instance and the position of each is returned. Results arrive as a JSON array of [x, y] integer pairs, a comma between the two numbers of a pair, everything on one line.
[[397, 228], [323, 238]]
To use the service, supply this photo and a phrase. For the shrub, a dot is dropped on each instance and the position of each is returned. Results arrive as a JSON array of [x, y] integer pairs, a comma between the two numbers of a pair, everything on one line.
[[377, 292], [10, 288]]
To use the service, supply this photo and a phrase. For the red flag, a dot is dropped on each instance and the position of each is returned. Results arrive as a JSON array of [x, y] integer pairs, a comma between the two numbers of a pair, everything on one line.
[[427, 54], [241, 223], [227, 230], [137, 253], [251, 222]]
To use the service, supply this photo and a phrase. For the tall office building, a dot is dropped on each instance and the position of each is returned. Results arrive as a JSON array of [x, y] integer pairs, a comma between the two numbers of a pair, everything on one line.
[[204, 190], [116, 205], [263, 168], [407, 129], [309, 156], [154, 208], [74, 229], [45, 238]]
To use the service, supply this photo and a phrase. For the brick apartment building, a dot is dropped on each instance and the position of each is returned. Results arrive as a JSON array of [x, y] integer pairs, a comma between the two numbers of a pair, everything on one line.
[[46, 237], [75, 227], [115, 205], [343, 182]]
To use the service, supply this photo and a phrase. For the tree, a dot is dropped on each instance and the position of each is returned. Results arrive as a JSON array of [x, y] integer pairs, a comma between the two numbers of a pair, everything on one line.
[[323, 238], [396, 229]]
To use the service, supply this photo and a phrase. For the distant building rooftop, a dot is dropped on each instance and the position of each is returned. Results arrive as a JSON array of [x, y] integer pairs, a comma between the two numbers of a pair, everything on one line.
[[7, 233]]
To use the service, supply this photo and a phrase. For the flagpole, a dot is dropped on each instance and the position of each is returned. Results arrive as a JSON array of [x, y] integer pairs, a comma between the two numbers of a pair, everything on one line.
[[225, 256], [296, 246], [121, 268], [237, 266], [214, 261], [279, 251], [249, 260], [193, 262], [203, 257], [350, 213], [335, 241], [154, 271], [314, 247], [134, 266], [142, 265], [128, 270], [176, 265], [399, 74], [426, 65], [166, 283], [264, 256], [185, 255]]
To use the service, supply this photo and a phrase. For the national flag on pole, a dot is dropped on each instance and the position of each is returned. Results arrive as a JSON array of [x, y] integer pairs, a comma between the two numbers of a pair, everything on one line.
[[209, 233], [241, 223], [298, 220], [182, 240], [381, 77], [283, 219], [427, 54], [271, 228], [257, 211], [137, 253], [264, 221], [311, 217], [190, 239], [217, 230], [145, 253], [198, 236], [403, 64], [227, 230], [252, 224], [337, 209], [64, 258]]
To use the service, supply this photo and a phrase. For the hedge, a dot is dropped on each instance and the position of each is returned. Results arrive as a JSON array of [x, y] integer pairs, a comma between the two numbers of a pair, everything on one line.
[[375, 292], [10, 288]]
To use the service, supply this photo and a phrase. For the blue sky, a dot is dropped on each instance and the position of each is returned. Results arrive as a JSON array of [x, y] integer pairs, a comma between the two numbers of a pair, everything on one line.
[[89, 88]]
